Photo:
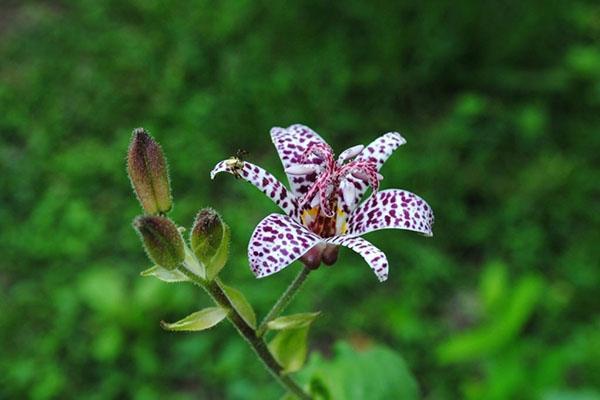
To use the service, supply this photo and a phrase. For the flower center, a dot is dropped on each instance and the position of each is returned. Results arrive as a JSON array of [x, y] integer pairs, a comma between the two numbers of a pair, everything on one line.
[[322, 206]]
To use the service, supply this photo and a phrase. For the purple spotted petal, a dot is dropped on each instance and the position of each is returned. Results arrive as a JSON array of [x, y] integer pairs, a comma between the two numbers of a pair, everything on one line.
[[378, 152], [292, 144], [264, 181], [372, 255], [382, 148], [392, 208], [276, 242]]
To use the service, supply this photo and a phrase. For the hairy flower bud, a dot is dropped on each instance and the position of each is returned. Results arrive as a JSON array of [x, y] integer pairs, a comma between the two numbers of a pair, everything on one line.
[[210, 240], [147, 168], [162, 240]]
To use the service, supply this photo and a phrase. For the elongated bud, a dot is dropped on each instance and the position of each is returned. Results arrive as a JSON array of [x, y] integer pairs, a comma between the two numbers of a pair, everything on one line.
[[210, 241], [147, 168], [161, 239]]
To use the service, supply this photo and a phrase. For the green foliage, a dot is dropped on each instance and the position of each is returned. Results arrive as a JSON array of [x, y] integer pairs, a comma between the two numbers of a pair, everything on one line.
[[239, 302], [507, 318], [295, 321], [290, 344], [498, 102], [165, 275], [376, 373], [290, 347], [198, 321]]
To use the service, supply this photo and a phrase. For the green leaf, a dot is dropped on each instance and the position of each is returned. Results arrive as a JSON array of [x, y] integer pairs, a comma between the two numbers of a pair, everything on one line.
[[165, 275], [241, 305], [293, 321], [289, 347], [506, 325], [192, 264], [198, 321], [493, 285], [377, 373], [218, 261]]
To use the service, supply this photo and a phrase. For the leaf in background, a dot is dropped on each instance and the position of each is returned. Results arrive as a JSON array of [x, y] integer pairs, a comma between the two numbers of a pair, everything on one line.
[[165, 275], [293, 321], [377, 373], [239, 302], [198, 321], [500, 330], [289, 348], [492, 287]]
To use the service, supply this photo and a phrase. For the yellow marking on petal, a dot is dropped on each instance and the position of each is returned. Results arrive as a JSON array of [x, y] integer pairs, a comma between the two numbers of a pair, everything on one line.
[[309, 215], [340, 222]]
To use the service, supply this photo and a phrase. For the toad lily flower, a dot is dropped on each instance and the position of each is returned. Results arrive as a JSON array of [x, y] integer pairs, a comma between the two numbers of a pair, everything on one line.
[[322, 209]]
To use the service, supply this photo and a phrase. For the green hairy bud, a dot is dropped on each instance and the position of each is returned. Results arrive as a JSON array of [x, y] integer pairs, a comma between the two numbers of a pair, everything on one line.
[[162, 240], [147, 168], [210, 240]]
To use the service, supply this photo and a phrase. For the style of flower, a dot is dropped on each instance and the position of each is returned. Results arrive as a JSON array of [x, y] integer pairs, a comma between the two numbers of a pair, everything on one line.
[[323, 209]]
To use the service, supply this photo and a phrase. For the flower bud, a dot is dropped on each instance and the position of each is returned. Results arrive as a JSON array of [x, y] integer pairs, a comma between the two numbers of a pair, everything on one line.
[[312, 258], [330, 254], [210, 240], [162, 240], [147, 168]]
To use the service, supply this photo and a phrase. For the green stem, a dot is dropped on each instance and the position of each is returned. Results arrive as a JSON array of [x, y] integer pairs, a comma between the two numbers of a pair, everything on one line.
[[249, 334], [284, 300]]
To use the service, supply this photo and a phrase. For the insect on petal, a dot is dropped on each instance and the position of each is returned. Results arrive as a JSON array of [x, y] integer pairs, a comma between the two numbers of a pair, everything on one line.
[[372, 255], [392, 209], [262, 180], [292, 144], [278, 241]]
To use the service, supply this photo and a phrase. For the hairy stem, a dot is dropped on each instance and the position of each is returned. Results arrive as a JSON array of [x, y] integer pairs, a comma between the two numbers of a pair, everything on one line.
[[249, 334], [284, 300]]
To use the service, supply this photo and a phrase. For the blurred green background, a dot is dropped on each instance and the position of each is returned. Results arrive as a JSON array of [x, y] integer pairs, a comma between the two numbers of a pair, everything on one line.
[[499, 102]]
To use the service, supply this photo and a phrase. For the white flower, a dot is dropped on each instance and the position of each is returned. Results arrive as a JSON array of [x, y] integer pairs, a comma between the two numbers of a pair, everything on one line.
[[322, 209]]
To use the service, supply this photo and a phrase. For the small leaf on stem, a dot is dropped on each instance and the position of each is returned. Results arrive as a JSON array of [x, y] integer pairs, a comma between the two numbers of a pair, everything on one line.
[[165, 275], [197, 321], [239, 302], [293, 321], [289, 348]]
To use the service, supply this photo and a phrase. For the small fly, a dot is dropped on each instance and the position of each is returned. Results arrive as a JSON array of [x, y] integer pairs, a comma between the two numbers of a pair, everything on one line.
[[236, 163]]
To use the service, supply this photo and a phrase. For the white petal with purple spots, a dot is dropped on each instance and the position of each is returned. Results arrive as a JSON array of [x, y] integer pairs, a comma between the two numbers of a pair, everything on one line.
[[382, 148], [378, 152], [394, 208], [262, 180], [292, 144], [372, 255], [276, 242]]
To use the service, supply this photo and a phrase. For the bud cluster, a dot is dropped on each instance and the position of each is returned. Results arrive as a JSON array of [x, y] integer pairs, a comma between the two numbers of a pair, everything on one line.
[[209, 239]]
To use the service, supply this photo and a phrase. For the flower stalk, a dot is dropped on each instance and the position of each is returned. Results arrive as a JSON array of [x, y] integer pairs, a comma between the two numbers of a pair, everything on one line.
[[256, 342], [284, 300]]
